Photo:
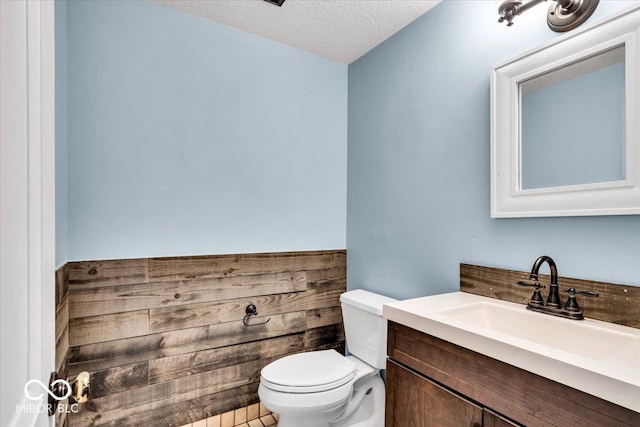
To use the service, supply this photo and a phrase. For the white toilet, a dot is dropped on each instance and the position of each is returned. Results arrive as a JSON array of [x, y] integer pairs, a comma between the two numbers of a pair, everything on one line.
[[324, 388]]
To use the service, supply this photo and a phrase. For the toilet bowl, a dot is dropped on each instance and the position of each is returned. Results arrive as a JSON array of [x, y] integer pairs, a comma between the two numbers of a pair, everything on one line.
[[326, 389]]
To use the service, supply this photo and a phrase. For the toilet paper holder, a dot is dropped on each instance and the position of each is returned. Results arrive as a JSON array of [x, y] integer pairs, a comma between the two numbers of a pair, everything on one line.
[[252, 310], [76, 390]]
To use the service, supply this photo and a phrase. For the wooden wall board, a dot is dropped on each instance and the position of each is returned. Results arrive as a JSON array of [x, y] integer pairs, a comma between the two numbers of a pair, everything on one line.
[[324, 317], [151, 397], [62, 330], [240, 265], [91, 301], [130, 350], [163, 338], [617, 303], [108, 272], [172, 367], [188, 411], [171, 318], [121, 378], [108, 327], [62, 284]]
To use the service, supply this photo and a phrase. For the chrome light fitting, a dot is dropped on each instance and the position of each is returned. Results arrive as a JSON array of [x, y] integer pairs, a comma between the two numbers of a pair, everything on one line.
[[563, 15]]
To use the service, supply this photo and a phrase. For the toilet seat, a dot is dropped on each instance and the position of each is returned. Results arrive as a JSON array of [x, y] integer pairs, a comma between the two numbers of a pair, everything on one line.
[[311, 372]]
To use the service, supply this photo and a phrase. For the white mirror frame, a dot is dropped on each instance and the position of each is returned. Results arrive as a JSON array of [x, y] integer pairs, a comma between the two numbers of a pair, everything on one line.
[[508, 199]]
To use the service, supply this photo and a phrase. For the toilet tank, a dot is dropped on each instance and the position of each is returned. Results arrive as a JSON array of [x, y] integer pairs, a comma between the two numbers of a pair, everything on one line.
[[364, 326]]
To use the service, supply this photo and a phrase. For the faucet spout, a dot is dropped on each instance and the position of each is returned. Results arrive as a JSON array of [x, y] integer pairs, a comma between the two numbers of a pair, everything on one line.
[[553, 300], [553, 306]]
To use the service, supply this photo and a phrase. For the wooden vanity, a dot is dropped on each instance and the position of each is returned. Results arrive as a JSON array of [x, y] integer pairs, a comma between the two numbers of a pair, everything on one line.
[[443, 371], [431, 382]]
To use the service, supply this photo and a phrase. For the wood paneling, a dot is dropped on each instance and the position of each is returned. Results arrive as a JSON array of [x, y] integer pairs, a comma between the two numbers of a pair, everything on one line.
[[118, 405], [616, 303], [118, 379], [115, 299], [164, 341], [121, 352], [199, 267], [519, 395], [62, 330], [187, 411], [324, 317], [91, 274], [168, 368], [171, 318], [108, 327], [62, 284]]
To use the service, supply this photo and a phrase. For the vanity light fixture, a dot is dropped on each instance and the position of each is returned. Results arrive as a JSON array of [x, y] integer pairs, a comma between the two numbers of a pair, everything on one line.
[[276, 2], [563, 15]]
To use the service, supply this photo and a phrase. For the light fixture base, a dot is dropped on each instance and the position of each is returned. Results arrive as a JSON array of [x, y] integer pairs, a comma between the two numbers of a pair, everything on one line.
[[561, 19], [276, 2]]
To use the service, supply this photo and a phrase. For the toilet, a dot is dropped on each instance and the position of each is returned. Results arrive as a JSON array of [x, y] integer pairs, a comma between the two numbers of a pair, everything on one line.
[[327, 389]]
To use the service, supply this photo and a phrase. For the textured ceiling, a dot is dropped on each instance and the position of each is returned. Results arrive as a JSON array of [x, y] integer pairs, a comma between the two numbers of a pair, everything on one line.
[[342, 30]]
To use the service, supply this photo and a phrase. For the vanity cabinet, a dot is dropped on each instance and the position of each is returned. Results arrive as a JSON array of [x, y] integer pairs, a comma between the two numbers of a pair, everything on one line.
[[432, 382], [413, 400], [491, 419], [416, 401]]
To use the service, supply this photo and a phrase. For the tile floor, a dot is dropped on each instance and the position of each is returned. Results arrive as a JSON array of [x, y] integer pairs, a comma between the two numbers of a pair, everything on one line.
[[255, 415]]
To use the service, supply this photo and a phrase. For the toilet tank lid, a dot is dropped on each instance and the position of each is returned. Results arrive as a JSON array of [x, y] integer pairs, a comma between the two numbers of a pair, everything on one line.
[[365, 300]]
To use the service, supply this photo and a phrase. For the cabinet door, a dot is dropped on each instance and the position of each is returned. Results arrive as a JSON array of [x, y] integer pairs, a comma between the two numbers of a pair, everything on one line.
[[491, 419], [414, 401]]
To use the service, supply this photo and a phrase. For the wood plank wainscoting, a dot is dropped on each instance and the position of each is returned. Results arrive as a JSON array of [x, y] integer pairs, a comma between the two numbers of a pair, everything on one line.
[[62, 329], [163, 338], [618, 304]]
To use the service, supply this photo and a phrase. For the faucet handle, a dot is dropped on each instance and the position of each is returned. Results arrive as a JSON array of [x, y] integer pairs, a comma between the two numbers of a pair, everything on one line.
[[536, 298], [572, 303], [535, 284], [574, 292]]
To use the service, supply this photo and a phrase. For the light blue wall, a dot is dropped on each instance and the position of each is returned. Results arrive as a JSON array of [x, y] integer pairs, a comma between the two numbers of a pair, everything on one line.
[[418, 163], [61, 130], [190, 137], [587, 143]]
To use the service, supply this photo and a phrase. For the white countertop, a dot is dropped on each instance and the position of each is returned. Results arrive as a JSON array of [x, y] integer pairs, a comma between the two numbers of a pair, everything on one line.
[[599, 358]]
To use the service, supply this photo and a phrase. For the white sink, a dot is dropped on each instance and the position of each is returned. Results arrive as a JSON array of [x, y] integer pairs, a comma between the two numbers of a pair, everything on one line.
[[577, 337], [596, 357]]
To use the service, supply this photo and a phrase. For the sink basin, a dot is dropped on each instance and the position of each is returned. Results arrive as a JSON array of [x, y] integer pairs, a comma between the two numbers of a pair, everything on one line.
[[576, 337], [599, 358]]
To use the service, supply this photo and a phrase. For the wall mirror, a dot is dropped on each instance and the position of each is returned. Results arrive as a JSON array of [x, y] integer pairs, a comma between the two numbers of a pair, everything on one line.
[[565, 125]]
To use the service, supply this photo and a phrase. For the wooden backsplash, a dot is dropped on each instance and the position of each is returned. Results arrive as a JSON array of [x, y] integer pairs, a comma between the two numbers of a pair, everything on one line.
[[618, 304], [164, 341]]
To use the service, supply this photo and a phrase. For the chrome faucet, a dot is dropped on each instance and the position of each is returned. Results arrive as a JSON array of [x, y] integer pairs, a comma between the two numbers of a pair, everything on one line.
[[553, 305]]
